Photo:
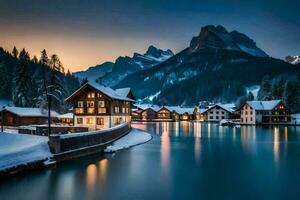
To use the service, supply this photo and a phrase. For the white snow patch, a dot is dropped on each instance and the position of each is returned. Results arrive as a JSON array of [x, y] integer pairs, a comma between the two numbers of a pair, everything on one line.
[[295, 119], [21, 149], [135, 137], [254, 90]]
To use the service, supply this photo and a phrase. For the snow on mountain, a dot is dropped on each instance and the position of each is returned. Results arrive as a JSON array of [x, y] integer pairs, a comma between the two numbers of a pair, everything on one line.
[[293, 59], [254, 90]]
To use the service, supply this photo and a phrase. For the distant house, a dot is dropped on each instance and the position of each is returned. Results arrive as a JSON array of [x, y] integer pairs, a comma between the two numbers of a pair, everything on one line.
[[96, 106], [200, 114], [67, 118], [164, 114], [20, 116], [150, 113], [218, 112], [264, 112], [136, 114], [179, 113]]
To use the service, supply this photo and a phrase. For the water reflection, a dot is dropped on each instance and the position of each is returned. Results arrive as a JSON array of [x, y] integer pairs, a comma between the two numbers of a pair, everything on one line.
[[276, 144], [165, 147], [96, 174]]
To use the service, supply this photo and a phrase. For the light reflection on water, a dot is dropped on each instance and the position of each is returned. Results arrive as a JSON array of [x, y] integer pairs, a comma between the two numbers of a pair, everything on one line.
[[185, 160]]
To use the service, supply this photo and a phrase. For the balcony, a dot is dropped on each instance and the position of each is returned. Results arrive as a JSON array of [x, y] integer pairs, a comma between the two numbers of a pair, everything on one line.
[[78, 111], [101, 110], [90, 110]]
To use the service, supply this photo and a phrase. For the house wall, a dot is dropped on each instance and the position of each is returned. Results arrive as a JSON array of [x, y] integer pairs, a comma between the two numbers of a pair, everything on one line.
[[217, 114], [164, 114], [249, 116]]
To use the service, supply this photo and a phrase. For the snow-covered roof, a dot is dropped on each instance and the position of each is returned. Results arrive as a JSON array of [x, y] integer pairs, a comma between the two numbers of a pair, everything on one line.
[[66, 116], [29, 112], [180, 110], [105, 90], [123, 92], [227, 107], [263, 105], [146, 106]]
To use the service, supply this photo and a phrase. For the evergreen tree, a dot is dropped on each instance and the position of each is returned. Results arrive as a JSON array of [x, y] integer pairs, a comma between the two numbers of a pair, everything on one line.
[[35, 60], [292, 95], [55, 63], [84, 81], [22, 81], [44, 60], [5, 87], [15, 52], [250, 96], [265, 92]]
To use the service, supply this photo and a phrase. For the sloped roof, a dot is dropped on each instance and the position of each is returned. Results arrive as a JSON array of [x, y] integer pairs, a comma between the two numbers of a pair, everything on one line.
[[146, 106], [105, 90], [180, 110], [29, 112], [123, 92], [263, 105], [227, 107], [66, 116]]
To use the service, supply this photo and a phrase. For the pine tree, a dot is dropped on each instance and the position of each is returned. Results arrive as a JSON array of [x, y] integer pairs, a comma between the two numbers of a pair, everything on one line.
[[56, 64], [292, 95], [84, 81], [44, 60], [15, 52], [22, 81], [5, 87], [250, 96], [35, 60], [265, 92]]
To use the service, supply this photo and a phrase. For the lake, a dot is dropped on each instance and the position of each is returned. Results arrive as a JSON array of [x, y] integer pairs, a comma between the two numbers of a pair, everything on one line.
[[184, 160]]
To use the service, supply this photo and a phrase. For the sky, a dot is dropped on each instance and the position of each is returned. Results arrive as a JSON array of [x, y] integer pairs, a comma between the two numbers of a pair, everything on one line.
[[85, 33]]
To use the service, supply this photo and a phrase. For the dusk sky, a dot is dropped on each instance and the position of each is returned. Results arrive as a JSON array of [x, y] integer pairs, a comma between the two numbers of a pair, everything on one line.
[[86, 33]]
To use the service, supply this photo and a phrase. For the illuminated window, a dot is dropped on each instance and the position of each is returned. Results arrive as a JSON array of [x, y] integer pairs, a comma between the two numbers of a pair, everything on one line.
[[100, 121], [99, 95], [117, 109], [101, 104], [80, 104], [91, 95], [123, 110], [127, 110], [101, 110], [79, 121], [90, 104], [89, 120]]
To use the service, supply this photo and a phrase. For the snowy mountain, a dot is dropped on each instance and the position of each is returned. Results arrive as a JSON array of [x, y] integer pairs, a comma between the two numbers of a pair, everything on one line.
[[111, 74], [217, 65], [295, 60]]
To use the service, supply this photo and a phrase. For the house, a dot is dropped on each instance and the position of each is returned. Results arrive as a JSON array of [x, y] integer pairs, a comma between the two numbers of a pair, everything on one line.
[[200, 114], [21, 116], [136, 114], [98, 107], [164, 114], [67, 118], [150, 113], [125, 92], [218, 112], [264, 112], [179, 113]]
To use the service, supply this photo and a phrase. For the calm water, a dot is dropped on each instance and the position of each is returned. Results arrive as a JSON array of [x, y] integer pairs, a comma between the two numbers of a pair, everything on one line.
[[183, 161]]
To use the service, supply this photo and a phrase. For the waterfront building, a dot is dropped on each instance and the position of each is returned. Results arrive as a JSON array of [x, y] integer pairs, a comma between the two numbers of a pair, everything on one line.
[[21, 116], [218, 112], [264, 112], [98, 107], [67, 118]]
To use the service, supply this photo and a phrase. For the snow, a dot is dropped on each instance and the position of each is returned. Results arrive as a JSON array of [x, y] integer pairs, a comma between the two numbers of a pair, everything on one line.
[[147, 106], [180, 110], [5, 102], [21, 149], [153, 96], [263, 105], [66, 116], [103, 131], [106, 90], [29, 112], [254, 90], [123, 92], [135, 137]]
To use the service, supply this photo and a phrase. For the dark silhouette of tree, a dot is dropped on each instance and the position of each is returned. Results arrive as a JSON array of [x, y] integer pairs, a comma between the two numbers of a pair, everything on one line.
[[56, 64], [35, 60], [84, 81], [15, 52], [44, 60]]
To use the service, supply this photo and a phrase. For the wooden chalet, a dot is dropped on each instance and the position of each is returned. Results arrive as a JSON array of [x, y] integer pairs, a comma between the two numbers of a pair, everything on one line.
[[264, 112], [21, 116], [67, 118], [218, 112], [98, 107]]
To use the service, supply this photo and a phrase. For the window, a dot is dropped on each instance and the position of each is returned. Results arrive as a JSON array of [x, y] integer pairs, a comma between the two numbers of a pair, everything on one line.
[[211, 117], [117, 109], [91, 95], [211, 112], [90, 104], [100, 121], [89, 120], [79, 121], [246, 113], [80, 104], [217, 112], [251, 113], [251, 119], [101, 110], [99, 95], [127, 110], [217, 117], [123, 110], [223, 112], [242, 119], [223, 117], [101, 104]]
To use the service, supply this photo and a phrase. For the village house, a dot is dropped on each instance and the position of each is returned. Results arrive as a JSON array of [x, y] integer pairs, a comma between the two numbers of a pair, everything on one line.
[[179, 113], [218, 112], [98, 107], [67, 118], [264, 112], [21, 116]]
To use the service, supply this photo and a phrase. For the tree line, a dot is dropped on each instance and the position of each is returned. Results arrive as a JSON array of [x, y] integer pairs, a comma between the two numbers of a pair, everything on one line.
[[32, 82]]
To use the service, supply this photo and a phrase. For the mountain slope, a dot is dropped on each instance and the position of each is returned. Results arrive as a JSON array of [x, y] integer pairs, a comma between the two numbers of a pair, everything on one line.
[[112, 73], [217, 65]]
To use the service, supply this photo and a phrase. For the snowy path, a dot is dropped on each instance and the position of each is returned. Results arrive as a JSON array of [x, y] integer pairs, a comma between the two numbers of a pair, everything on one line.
[[133, 138], [20, 149]]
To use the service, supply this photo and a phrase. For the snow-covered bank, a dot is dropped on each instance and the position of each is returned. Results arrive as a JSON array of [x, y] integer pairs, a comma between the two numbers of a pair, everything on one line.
[[20, 149], [295, 119], [135, 137]]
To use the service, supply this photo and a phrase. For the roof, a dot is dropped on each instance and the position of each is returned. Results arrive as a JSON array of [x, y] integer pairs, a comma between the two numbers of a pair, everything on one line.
[[66, 116], [123, 91], [30, 112], [105, 90], [227, 107], [147, 106], [263, 105], [180, 110]]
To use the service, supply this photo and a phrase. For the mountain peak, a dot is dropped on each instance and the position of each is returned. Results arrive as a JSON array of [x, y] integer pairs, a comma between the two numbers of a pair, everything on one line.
[[156, 53], [218, 37], [295, 60]]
